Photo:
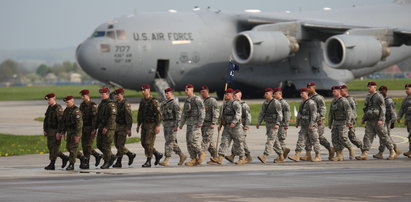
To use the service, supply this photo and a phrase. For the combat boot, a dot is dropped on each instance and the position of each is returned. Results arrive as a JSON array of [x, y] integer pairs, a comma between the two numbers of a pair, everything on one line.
[[392, 155], [339, 156], [82, 162], [241, 161], [87, 163], [363, 156], [165, 162], [105, 165], [407, 153], [307, 156], [351, 151], [193, 162], [296, 156], [98, 158], [230, 158], [113, 158], [131, 157], [397, 151], [202, 156], [279, 159], [263, 158], [210, 162], [249, 158], [158, 156], [331, 153], [51, 165], [378, 155], [218, 160], [147, 164], [182, 158], [64, 160], [286, 152], [317, 158], [118, 163], [70, 166]]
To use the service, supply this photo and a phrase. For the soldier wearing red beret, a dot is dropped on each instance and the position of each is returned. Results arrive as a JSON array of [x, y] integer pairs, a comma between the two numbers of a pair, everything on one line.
[[282, 131], [405, 110]]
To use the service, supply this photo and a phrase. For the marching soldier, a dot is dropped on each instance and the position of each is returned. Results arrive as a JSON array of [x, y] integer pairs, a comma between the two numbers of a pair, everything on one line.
[[211, 117], [51, 122], [351, 130], [193, 115], [124, 122], [246, 121], [390, 117], [88, 111], [307, 118], [72, 125], [282, 131], [339, 120], [321, 108], [106, 126], [374, 117], [271, 113], [171, 114], [406, 110], [149, 119]]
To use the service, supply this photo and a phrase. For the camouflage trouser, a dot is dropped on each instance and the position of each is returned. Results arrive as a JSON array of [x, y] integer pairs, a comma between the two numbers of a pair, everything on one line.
[[53, 144], [339, 136], [408, 124], [246, 150], [208, 144], [381, 148], [232, 134], [353, 138], [282, 135], [309, 137], [120, 137], [372, 129], [104, 143], [87, 142], [193, 140], [171, 139], [72, 147], [148, 138], [272, 140], [323, 141]]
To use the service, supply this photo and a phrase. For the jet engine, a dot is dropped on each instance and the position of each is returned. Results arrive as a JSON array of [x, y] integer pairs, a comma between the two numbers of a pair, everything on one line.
[[354, 51], [261, 47]]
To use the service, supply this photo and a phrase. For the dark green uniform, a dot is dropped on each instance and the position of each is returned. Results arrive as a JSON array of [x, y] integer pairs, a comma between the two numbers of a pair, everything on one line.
[[149, 117], [72, 124], [89, 114], [50, 125], [106, 118], [124, 121]]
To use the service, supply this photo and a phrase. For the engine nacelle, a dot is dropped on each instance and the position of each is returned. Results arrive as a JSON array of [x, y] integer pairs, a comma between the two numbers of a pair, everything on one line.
[[354, 51], [261, 47]]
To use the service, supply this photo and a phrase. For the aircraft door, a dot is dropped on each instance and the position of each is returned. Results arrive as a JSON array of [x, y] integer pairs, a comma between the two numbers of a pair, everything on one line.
[[162, 69]]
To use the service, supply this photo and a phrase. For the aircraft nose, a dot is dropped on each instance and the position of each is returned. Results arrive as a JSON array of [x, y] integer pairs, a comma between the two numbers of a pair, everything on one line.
[[86, 56]]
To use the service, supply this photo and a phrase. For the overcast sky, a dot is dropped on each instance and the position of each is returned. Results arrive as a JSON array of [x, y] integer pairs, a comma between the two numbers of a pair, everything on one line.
[[50, 24]]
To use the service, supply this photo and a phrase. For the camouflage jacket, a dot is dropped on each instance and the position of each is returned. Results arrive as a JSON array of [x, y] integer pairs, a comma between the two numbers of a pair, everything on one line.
[[390, 113], [231, 113], [340, 112], [271, 112], [89, 113], [171, 112], [53, 117], [353, 105], [106, 115], [286, 112], [124, 116], [405, 109], [321, 108], [307, 113], [245, 114], [211, 110], [71, 121], [374, 108], [193, 111], [149, 111]]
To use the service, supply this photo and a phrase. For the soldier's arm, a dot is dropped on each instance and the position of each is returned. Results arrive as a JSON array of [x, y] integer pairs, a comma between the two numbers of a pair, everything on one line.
[[300, 110], [177, 111], [381, 105], [402, 110], [158, 118], [247, 115], [45, 121], [323, 108], [61, 127], [287, 113], [140, 114], [111, 115], [94, 116], [313, 113], [392, 109], [214, 106], [201, 110], [79, 122], [279, 110], [238, 112], [330, 118], [348, 112], [364, 118], [183, 118], [128, 116], [261, 115]]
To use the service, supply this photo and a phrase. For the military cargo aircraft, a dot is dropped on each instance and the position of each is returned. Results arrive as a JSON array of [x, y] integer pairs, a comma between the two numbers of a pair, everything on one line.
[[286, 50]]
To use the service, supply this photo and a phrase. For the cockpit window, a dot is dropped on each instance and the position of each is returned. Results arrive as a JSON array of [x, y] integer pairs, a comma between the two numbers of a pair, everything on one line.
[[110, 34], [121, 35], [98, 34]]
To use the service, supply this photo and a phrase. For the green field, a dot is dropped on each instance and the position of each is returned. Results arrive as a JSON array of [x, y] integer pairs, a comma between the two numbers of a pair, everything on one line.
[[12, 145], [392, 84]]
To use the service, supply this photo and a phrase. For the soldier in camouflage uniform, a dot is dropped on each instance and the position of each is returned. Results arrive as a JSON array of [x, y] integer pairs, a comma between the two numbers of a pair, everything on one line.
[[106, 126], [211, 117], [406, 110], [390, 118], [307, 118], [246, 121], [282, 131], [149, 119], [271, 113], [351, 130], [171, 114], [319, 100], [51, 122], [124, 121], [193, 115], [72, 125], [88, 111], [339, 120], [374, 115]]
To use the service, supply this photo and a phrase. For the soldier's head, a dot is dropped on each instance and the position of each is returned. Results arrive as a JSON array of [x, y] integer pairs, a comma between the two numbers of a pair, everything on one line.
[[229, 94], [344, 90], [408, 89], [189, 90], [336, 90], [85, 95], [51, 99], [119, 94], [372, 87], [304, 93], [278, 94], [169, 93], [383, 90], [145, 90], [104, 93], [311, 88], [238, 94], [268, 93], [69, 100], [204, 92]]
